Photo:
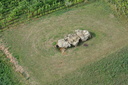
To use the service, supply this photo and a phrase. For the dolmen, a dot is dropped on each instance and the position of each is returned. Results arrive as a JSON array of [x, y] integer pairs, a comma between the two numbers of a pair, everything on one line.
[[73, 39]]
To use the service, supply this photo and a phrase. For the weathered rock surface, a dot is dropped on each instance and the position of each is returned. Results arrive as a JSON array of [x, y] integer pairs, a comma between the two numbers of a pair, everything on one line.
[[73, 39], [63, 44], [83, 34]]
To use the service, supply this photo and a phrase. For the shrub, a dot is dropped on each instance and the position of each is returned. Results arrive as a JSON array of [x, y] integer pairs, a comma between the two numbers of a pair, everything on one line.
[[54, 43]]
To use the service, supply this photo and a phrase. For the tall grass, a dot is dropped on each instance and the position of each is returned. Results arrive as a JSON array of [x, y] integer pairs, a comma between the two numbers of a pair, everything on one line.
[[120, 5], [10, 10], [7, 75]]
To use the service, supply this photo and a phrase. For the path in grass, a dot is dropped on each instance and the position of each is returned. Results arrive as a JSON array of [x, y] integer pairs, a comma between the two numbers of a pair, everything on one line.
[[32, 42]]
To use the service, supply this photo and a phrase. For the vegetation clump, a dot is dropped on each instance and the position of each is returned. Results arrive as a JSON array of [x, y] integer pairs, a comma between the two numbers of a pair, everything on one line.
[[120, 5]]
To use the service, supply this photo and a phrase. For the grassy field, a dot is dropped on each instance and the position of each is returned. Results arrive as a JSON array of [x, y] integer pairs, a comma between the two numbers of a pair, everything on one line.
[[111, 70], [32, 42], [7, 74]]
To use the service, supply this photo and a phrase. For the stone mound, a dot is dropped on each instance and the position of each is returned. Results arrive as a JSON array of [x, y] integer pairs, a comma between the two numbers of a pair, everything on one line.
[[73, 39]]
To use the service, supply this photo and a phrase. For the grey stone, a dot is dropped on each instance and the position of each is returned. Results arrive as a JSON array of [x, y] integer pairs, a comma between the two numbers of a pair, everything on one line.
[[63, 44], [83, 34], [72, 39]]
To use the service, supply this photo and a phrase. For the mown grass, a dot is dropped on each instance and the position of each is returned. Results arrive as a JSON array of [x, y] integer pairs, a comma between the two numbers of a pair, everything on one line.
[[32, 42], [111, 70]]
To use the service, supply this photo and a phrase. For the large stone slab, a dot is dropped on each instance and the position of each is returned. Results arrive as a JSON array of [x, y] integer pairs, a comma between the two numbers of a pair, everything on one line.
[[83, 34], [63, 44], [73, 39]]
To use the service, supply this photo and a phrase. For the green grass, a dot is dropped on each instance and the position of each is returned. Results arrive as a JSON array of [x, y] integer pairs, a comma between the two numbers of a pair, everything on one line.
[[7, 74], [111, 70], [32, 42]]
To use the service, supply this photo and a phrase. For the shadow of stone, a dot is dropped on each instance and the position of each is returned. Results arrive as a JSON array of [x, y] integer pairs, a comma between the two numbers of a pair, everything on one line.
[[92, 34]]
